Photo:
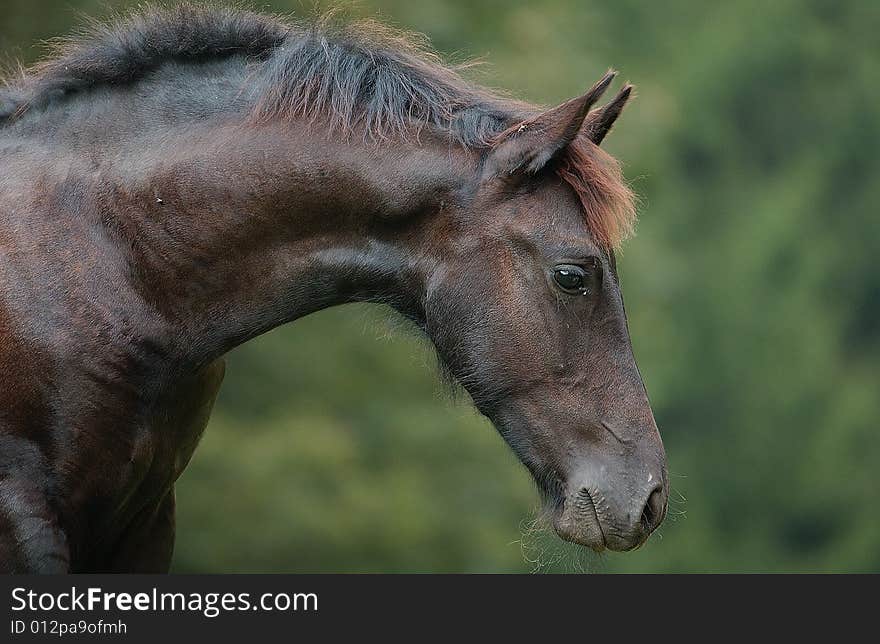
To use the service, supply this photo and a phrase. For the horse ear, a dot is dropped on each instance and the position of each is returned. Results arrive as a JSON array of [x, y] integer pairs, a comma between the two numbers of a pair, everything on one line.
[[530, 145], [599, 122]]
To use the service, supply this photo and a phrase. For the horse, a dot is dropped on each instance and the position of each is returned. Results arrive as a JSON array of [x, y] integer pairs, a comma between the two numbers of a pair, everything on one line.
[[178, 181]]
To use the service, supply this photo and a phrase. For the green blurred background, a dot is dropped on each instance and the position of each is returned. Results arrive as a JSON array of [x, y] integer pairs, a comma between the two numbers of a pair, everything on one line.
[[753, 291]]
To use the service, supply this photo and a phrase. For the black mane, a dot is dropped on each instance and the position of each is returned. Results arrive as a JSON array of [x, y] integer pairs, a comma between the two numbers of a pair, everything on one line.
[[124, 51], [360, 74]]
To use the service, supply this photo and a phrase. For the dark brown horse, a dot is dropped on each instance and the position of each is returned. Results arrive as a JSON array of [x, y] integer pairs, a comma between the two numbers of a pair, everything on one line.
[[177, 183]]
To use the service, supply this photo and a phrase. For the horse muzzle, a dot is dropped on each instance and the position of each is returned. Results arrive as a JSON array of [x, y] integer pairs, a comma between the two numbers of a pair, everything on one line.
[[590, 518]]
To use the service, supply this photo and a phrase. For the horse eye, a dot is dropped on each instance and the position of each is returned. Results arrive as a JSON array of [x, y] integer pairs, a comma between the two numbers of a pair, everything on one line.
[[570, 279]]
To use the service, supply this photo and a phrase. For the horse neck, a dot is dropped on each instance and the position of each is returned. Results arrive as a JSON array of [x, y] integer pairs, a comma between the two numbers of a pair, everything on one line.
[[236, 229]]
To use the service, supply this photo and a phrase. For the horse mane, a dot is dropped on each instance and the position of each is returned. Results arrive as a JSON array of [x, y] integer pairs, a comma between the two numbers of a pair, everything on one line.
[[124, 50], [359, 76]]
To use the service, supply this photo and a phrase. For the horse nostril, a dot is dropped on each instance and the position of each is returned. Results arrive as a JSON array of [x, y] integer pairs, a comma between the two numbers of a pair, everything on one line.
[[654, 511]]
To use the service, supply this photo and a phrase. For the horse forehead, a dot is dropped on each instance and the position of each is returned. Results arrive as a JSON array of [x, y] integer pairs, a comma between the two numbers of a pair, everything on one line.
[[546, 226], [543, 209]]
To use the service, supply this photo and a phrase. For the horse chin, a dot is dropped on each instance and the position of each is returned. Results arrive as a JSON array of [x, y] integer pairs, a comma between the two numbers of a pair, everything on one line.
[[579, 524]]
